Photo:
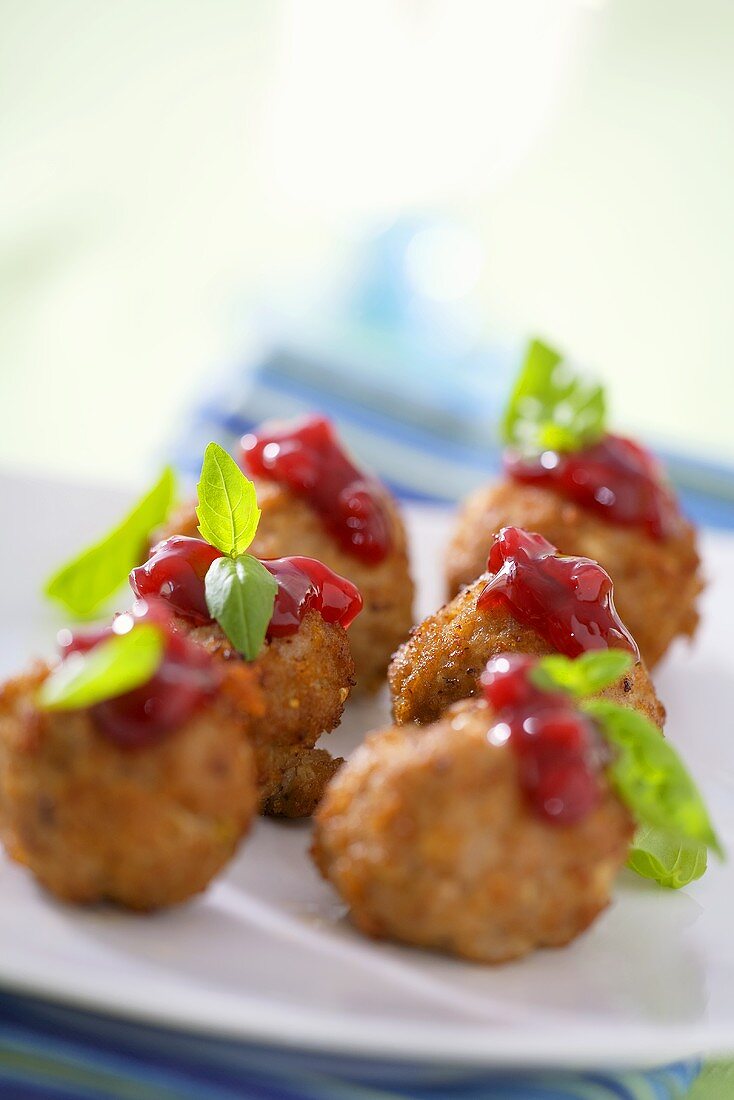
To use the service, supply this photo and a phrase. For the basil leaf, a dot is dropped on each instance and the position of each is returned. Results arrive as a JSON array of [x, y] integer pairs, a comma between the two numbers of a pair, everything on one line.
[[85, 582], [227, 511], [667, 859], [114, 667], [649, 776], [240, 595], [585, 675], [550, 408]]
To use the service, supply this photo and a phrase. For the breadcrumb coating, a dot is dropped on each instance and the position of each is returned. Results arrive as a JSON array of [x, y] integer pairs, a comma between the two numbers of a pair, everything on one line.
[[143, 828], [445, 655]]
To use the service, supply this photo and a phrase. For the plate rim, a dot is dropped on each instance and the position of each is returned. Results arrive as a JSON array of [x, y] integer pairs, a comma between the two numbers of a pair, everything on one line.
[[488, 1047]]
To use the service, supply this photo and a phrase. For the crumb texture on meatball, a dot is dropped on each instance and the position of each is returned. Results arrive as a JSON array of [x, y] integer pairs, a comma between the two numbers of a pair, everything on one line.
[[289, 526], [656, 583], [304, 679], [144, 828], [428, 838], [445, 655]]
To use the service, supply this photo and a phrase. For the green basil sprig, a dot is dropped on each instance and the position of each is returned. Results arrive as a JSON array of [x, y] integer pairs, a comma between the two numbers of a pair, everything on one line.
[[585, 675], [666, 858], [550, 407], [240, 591], [227, 510], [115, 666], [83, 584], [674, 829]]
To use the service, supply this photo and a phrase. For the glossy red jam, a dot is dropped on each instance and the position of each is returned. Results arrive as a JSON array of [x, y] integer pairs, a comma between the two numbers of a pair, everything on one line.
[[559, 750], [185, 680], [306, 456], [305, 584], [175, 572], [567, 601], [178, 566], [616, 478]]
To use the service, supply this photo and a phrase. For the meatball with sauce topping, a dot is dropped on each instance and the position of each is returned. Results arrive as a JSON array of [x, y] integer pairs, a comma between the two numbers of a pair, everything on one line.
[[304, 668], [655, 566], [315, 502], [531, 601], [428, 835], [108, 804]]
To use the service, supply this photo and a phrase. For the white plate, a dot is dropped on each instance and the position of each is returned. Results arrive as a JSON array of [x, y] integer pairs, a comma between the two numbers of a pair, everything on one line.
[[267, 955]]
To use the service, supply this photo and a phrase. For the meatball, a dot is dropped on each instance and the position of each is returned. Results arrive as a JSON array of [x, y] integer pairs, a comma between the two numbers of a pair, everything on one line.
[[289, 526], [442, 660], [428, 837], [305, 680], [656, 583], [144, 827]]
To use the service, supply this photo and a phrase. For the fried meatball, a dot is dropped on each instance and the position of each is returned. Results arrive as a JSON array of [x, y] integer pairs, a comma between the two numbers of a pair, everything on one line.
[[305, 680], [429, 839], [656, 582], [445, 655], [144, 827], [289, 526]]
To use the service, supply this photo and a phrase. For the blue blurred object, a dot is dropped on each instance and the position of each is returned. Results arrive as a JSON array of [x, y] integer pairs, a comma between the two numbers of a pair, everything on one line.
[[394, 351], [397, 362]]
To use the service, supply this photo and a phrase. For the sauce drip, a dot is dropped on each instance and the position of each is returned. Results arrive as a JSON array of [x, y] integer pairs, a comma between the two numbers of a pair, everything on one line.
[[616, 478], [306, 456], [305, 584], [177, 567], [567, 601], [559, 750], [185, 680]]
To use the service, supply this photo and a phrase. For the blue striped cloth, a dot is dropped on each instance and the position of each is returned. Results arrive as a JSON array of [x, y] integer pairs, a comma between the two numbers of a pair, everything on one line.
[[52, 1052], [422, 453]]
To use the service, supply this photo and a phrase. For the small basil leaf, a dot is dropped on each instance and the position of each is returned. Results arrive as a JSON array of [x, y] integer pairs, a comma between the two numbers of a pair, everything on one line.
[[114, 667], [550, 408], [585, 675], [670, 861], [240, 595], [649, 776], [227, 510], [85, 582]]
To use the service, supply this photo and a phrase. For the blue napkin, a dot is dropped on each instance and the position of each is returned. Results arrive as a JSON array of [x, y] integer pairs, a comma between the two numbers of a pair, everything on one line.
[[59, 1053]]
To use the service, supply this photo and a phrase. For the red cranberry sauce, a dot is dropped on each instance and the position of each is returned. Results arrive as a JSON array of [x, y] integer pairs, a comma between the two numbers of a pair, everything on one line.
[[560, 752], [306, 456], [184, 681], [305, 584], [177, 567], [616, 478], [175, 572], [567, 601]]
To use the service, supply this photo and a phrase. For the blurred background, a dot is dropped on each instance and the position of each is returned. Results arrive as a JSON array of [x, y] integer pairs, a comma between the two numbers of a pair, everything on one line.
[[212, 207]]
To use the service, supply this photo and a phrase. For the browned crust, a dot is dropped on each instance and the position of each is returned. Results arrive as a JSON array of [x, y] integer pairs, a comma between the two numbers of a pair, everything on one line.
[[304, 681], [442, 660]]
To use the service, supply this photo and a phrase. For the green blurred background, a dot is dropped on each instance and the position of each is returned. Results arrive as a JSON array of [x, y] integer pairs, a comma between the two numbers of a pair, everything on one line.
[[164, 165]]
